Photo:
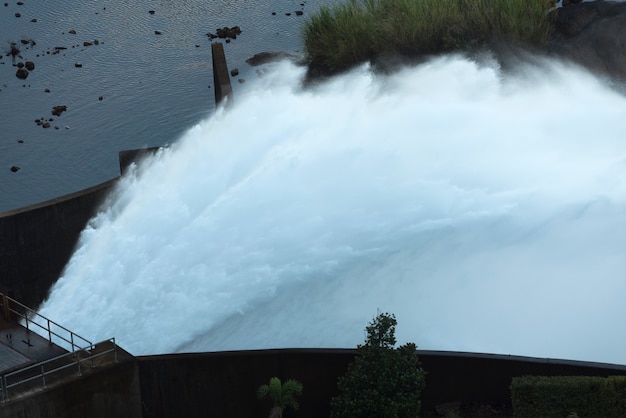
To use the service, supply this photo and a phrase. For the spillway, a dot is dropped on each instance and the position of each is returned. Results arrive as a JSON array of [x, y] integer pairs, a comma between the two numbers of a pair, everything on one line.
[[486, 210]]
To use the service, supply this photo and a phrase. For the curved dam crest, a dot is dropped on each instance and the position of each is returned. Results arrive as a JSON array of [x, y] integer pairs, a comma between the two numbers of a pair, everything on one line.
[[486, 211]]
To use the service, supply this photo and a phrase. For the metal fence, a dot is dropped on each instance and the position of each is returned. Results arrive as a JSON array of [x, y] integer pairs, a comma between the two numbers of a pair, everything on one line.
[[40, 375], [82, 355], [14, 309]]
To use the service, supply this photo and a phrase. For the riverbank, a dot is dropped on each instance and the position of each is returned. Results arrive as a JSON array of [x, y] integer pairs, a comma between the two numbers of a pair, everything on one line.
[[587, 34]]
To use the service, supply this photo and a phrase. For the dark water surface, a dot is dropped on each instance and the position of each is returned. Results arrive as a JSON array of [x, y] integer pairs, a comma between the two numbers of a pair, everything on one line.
[[153, 87]]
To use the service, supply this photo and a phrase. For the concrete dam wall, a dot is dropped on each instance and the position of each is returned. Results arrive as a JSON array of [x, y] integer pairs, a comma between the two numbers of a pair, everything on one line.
[[225, 383], [36, 242]]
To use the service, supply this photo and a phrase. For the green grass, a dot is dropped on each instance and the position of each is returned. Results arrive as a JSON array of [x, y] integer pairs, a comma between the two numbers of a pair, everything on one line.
[[338, 37]]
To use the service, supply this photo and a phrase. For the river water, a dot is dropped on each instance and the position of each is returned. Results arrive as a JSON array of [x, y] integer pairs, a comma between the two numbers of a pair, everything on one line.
[[153, 87]]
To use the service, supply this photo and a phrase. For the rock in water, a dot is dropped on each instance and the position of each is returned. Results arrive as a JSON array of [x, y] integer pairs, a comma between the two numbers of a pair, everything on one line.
[[22, 73]]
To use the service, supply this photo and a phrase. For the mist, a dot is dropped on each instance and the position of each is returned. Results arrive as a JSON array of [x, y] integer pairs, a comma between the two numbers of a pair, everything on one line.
[[486, 211]]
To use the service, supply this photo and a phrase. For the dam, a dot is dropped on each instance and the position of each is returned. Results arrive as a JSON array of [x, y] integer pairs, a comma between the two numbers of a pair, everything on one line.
[[547, 230]]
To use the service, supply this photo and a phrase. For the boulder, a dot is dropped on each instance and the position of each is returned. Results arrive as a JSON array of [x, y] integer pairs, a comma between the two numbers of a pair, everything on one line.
[[57, 110], [22, 73], [592, 35], [225, 33], [572, 20], [267, 57]]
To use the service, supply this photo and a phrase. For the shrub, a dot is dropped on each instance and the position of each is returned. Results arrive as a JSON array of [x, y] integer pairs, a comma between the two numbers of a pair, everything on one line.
[[341, 36], [564, 396], [382, 381]]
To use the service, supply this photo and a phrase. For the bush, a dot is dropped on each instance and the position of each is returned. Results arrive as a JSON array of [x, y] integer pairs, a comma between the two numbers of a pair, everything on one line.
[[338, 37], [282, 395], [564, 396], [382, 381]]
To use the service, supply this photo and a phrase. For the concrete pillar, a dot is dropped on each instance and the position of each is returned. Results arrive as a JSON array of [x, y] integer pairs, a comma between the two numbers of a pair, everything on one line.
[[221, 78]]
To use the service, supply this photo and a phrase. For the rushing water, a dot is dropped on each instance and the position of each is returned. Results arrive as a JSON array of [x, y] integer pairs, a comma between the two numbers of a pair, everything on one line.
[[486, 211]]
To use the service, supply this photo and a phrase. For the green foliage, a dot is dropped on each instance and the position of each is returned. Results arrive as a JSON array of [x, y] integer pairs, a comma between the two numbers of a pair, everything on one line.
[[282, 395], [382, 381], [338, 37], [558, 396], [352, 44]]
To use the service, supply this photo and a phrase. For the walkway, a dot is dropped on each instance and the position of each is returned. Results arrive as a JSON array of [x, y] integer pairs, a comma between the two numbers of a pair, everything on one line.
[[20, 347]]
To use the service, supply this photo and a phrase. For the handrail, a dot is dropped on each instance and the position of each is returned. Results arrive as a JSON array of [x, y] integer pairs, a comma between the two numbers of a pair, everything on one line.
[[28, 316], [38, 371]]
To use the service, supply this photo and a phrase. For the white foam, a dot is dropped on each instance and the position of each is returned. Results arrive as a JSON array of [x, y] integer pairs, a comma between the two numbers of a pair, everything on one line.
[[486, 212]]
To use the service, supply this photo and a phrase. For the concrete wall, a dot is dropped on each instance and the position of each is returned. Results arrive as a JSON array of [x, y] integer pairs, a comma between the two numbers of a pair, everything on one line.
[[37, 241], [224, 384], [110, 392]]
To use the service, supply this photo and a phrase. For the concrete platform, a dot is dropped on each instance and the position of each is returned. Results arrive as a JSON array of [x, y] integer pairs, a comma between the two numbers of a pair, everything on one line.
[[11, 359], [20, 347]]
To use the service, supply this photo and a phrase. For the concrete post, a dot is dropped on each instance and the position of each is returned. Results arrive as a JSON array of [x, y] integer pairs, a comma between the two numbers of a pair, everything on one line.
[[221, 78]]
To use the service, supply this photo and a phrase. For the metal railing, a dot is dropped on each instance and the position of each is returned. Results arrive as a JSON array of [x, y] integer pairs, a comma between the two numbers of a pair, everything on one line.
[[39, 375], [31, 318]]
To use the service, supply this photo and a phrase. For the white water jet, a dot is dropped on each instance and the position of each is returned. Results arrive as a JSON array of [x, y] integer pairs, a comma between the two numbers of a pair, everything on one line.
[[487, 212]]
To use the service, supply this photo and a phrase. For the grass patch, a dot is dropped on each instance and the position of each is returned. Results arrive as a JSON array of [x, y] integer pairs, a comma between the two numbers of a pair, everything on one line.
[[338, 37]]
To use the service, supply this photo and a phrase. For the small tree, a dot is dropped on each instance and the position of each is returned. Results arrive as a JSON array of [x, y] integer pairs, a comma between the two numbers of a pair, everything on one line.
[[282, 395], [382, 381]]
